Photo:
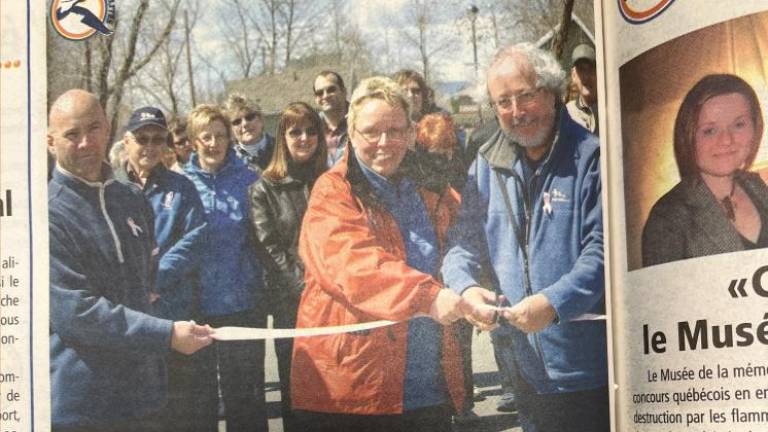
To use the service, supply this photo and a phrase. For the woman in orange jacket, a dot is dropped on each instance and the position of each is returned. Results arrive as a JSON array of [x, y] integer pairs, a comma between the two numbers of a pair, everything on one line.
[[371, 243]]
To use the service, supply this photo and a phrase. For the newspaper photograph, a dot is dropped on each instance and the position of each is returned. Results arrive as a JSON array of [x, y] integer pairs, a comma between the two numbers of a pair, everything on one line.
[[339, 215]]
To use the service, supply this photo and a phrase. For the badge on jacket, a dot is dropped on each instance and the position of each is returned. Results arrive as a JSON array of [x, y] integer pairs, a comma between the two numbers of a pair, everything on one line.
[[547, 198], [168, 200]]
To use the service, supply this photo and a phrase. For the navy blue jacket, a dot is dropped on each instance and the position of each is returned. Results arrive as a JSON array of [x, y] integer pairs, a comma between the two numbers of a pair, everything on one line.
[[107, 354], [180, 235], [231, 271], [560, 216]]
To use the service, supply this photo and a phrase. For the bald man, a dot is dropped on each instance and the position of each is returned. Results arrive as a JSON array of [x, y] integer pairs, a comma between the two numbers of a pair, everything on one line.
[[107, 354]]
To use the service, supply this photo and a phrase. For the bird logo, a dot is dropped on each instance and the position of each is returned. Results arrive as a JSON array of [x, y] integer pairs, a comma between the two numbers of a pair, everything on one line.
[[80, 19]]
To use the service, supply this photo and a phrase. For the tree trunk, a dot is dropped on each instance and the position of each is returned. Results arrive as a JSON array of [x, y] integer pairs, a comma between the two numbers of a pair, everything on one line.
[[561, 36], [192, 95]]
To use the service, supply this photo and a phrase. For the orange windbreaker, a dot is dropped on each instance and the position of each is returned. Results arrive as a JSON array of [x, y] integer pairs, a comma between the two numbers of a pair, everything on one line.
[[355, 272]]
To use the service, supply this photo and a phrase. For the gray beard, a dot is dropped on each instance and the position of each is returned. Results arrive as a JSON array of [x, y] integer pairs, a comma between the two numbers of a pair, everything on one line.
[[538, 140]]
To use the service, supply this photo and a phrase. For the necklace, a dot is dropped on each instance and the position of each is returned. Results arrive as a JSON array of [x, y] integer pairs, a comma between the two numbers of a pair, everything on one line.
[[728, 205]]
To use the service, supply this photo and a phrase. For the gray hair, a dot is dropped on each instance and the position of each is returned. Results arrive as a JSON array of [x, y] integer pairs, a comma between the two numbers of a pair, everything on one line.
[[117, 154], [549, 74], [237, 104]]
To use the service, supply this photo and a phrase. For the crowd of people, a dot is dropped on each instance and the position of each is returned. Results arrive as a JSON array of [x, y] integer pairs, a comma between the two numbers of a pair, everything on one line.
[[372, 207]]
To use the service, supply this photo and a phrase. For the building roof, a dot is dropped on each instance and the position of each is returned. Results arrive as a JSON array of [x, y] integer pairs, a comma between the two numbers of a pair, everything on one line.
[[274, 92]]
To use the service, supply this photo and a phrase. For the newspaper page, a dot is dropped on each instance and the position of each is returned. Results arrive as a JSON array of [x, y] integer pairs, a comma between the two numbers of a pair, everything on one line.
[[687, 91], [23, 220]]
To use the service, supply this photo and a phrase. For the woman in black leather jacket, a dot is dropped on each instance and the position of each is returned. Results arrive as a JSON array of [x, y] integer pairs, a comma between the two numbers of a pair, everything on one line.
[[278, 202]]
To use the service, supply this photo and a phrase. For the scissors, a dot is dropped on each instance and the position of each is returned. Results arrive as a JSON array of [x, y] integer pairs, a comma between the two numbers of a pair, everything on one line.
[[497, 313]]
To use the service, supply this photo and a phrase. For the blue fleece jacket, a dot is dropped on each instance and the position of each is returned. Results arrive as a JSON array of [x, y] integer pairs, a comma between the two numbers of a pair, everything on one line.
[[107, 354], [231, 272], [559, 212], [180, 234]]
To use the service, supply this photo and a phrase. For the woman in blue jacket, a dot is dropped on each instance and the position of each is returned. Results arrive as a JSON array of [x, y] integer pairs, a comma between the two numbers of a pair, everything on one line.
[[231, 281]]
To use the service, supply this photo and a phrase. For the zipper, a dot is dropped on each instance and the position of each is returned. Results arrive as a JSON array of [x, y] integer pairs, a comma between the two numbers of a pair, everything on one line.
[[115, 238], [527, 212]]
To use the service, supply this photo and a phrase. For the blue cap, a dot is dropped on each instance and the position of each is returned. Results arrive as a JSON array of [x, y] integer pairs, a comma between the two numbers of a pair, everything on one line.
[[146, 116]]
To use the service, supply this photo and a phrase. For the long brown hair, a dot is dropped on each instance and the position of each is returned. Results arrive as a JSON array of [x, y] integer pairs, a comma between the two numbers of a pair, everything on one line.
[[688, 117], [293, 114]]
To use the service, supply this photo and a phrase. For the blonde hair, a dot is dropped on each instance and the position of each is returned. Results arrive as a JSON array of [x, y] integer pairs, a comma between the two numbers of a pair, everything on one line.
[[202, 116], [381, 88]]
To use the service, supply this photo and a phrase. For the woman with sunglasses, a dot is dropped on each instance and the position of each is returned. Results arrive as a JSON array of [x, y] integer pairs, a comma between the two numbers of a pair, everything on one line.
[[252, 144], [278, 202]]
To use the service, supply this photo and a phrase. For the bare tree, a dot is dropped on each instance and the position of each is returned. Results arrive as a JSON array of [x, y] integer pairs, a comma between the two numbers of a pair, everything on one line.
[[424, 32], [166, 77], [525, 20], [256, 27]]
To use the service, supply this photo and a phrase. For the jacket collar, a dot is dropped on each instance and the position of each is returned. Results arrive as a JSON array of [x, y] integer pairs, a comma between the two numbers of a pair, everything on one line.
[[61, 175], [126, 173], [708, 215], [502, 153], [230, 160], [412, 167]]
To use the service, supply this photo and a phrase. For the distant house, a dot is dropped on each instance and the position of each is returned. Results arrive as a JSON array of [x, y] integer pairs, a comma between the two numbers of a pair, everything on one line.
[[274, 92]]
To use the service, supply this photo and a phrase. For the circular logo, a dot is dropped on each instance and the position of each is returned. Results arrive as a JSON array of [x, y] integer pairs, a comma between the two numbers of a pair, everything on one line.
[[640, 11], [80, 19]]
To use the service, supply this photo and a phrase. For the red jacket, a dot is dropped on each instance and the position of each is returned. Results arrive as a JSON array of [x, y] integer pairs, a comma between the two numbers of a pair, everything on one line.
[[356, 272]]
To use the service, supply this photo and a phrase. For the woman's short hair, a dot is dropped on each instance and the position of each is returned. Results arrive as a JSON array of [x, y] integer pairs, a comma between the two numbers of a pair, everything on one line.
[[238, 105], [381, 88], [294, 113], [437, 133], [687, 119], [201, 117]]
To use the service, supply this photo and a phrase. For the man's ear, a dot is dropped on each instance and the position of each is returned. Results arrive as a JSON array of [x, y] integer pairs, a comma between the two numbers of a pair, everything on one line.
[[49, 143]]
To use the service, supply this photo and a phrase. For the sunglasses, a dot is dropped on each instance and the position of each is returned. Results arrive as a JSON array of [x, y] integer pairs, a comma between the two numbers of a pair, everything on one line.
[[239, 120], [181, 143], [326, 91], [155, 140], [296, 132]]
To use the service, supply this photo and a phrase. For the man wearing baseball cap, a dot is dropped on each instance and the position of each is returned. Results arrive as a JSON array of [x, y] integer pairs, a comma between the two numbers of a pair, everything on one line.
[[583, 109], [179, 230]]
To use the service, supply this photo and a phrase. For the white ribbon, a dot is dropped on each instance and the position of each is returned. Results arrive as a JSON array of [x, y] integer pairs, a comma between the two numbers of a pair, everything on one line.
[[245, 333]]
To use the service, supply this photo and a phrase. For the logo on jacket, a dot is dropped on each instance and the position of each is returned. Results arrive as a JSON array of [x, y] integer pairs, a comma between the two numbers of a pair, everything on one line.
[[558, 196], [135, 228], [81, 19]]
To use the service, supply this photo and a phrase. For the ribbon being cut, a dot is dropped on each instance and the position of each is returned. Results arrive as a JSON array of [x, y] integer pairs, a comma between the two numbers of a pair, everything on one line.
[[245, 333]]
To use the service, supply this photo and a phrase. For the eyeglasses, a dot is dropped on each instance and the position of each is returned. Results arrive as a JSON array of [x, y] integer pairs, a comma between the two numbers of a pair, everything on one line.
[[248, 117], [296, 133], [522, 99], [155, 140], [392, 135], [331, 89]]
